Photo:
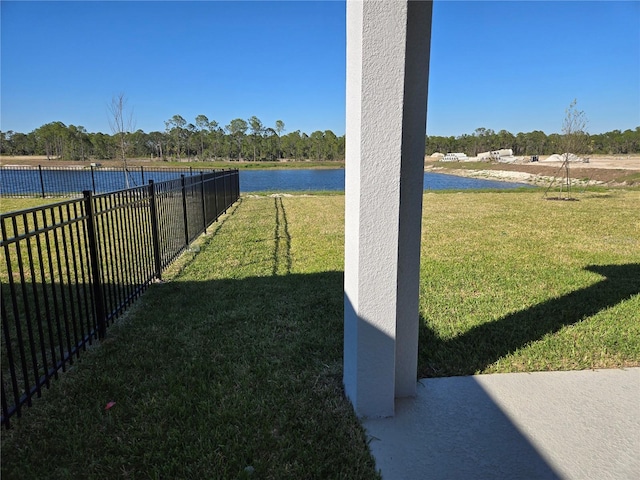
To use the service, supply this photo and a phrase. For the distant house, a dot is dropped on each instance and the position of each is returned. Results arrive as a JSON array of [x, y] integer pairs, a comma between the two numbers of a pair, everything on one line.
[[454, 157]]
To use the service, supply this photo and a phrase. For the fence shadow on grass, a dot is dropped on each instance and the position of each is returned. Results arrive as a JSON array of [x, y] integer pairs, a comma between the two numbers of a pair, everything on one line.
[[233, 363], [484, 344]]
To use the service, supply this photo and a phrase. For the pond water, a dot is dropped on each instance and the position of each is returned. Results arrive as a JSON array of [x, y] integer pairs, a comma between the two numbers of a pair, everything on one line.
[[333, 179], [21, 181], [62, 181]]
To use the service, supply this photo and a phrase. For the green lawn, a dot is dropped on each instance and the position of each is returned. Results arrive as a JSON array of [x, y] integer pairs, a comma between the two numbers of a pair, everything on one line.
[[511, 282], [233, 367], [13, 204]]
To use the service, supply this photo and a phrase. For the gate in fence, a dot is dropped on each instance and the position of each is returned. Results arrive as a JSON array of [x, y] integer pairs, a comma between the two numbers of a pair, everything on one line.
[[71, 268]]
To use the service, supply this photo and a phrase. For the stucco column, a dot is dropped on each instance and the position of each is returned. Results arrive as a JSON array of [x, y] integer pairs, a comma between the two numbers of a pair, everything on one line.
[[387, 79]]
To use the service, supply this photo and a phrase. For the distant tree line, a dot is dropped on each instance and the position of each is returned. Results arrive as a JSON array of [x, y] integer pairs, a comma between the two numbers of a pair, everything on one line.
[[615, 142], [204, 139], [251, 140]]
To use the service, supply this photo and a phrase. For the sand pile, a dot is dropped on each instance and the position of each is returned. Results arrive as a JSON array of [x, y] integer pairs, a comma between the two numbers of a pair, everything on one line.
[[561, 158]]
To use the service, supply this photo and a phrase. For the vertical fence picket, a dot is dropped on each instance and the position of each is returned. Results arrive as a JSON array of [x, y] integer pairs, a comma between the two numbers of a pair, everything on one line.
[[204, 204], [184, 212], [6, 412], [45, 297], [68, 249], [157, 256], [101, 228], [93, 181], [18, 333], [49, 231], [215, 195], [98, 299], [28, 321], [133, 257], [41, 181], [36, 301], [120, 239], [63, 298], [237, 182], [67, 293], [112, 249], [83, 281], [5, 406]]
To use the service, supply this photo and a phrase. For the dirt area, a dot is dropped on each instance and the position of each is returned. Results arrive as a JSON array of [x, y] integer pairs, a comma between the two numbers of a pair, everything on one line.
[[602, 170], [35, 160]]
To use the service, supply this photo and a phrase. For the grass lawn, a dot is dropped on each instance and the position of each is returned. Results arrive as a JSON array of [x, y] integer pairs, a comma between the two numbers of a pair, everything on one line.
[[13, 204], [511, 283], [233, 367]]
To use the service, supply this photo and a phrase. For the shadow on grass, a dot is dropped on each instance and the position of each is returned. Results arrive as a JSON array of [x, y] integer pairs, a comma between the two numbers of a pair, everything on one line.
[[456, 428], [229, 374], [221, 374], [234, 372], [481, 346]]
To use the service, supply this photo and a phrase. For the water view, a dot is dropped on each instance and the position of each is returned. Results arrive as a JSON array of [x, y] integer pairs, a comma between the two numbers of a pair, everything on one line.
[[333, 179], [59, 181]]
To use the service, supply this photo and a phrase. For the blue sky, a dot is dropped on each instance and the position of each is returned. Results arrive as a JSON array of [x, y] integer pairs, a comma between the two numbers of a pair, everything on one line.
[[510, 65]]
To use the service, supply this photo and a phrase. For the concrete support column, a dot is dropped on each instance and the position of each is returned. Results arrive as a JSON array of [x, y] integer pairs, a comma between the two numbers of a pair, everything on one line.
[[387, 80]]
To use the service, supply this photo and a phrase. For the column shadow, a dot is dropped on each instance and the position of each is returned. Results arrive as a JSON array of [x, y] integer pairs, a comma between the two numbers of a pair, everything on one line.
[[454, 428], [474, 350]]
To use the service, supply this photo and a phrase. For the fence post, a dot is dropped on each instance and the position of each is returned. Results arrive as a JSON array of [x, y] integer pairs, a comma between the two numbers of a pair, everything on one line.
[[204, 206], [98, 299], [41, 180], [154, 230], [227, 189], [237, 186], [142, 173], [93, 181], [184, 212], [215, 194]]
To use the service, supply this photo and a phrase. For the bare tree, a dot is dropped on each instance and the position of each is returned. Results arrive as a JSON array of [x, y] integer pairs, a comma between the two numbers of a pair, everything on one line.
[[202, 122], [121, 123], [279, 130], [575, 140], [257, 129]]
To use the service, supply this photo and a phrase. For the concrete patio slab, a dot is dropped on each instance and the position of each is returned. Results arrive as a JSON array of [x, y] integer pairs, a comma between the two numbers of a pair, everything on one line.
[[543, 425]]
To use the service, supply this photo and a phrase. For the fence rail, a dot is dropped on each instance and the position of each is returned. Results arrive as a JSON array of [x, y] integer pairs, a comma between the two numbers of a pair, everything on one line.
[[69, 269], [43, 181]]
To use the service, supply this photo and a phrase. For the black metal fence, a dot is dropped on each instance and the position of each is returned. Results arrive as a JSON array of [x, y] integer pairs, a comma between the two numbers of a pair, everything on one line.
[[43, 181], [69, 269]]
